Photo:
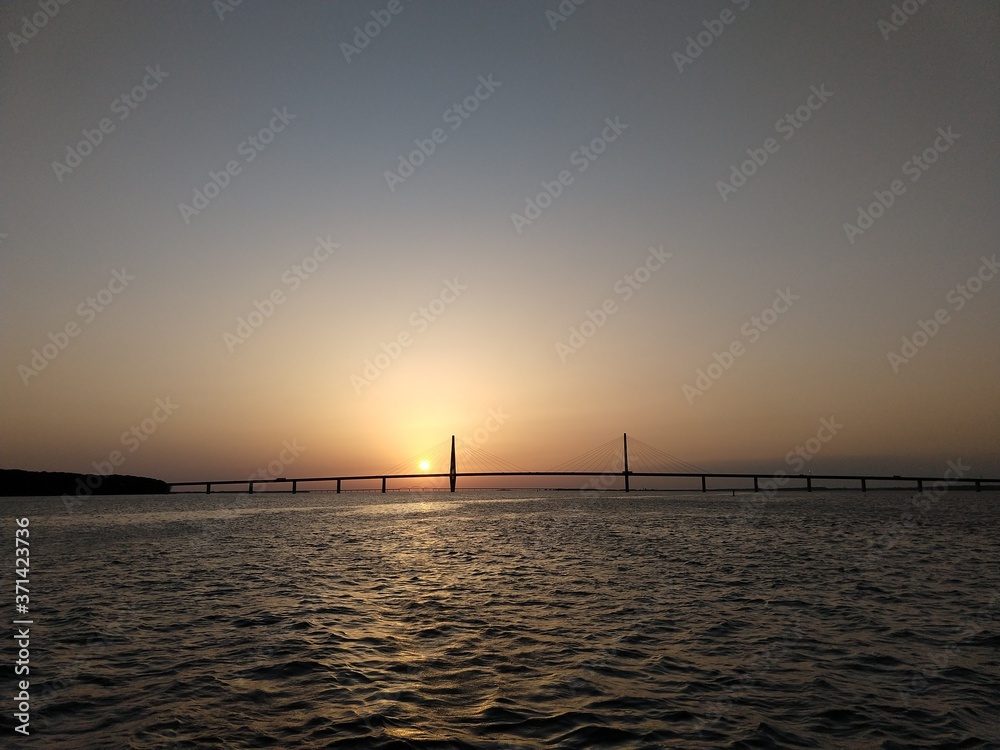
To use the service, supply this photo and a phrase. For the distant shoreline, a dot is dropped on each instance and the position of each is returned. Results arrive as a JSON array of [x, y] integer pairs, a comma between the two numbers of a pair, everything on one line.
[[23, 483]]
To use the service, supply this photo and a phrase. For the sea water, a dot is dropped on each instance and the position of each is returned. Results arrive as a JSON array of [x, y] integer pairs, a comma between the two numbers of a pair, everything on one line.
[[513, 620]]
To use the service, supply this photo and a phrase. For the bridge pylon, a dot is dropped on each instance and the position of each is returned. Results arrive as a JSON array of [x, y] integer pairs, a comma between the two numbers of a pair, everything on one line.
[[453, 473], [625, 447]]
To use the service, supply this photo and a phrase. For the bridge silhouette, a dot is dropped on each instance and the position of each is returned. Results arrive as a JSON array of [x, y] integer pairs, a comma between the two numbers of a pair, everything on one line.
[[608, 461]]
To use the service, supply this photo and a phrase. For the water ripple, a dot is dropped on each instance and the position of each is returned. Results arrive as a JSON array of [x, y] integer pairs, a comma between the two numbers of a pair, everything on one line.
[[517, 622]]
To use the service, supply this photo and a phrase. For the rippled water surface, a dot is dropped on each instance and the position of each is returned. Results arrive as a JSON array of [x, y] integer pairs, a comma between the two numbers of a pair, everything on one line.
[[514, 620]]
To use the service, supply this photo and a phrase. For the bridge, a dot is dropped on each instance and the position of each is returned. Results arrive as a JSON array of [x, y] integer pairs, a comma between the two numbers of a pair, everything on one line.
[[608, 462]]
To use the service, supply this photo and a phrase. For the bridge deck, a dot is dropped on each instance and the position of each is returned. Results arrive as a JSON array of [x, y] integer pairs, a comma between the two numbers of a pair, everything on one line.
[[704, 476]]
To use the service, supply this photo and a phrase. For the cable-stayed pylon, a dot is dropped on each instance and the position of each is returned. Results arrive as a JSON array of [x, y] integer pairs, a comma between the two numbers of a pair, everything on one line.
[[623, 456]]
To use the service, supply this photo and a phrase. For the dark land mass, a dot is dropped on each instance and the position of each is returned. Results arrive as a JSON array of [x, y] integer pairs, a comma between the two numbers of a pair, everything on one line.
[[18, 482]]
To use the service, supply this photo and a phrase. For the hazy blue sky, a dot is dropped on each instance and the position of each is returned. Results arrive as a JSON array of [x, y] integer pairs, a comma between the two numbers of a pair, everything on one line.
[[121, 286]]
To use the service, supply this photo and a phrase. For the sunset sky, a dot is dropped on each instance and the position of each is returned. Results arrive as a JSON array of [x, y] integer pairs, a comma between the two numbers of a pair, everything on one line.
[[280, 206]]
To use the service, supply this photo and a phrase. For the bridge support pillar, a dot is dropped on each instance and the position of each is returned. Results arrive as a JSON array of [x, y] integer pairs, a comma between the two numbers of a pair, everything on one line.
[[251, 487], [338, 486], [920, 485], [703, 483], [383, 485], [295, 486], [208, 488], [809, 484], [755, 487], [979, 487], [864, 486]]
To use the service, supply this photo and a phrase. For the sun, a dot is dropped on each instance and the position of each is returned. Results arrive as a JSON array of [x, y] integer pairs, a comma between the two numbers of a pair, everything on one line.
[[424, 465]]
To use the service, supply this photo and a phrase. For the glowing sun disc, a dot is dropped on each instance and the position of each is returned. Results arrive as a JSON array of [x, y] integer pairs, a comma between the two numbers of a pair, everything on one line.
[[424, 465]]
